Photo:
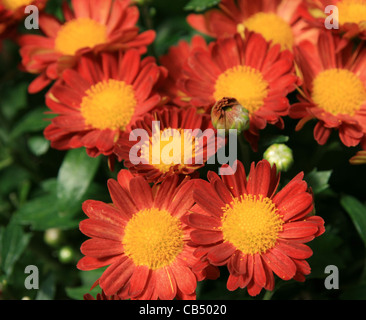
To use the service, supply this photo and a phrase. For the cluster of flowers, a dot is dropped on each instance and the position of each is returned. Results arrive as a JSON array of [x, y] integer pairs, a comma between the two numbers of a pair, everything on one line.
[[166, 228]]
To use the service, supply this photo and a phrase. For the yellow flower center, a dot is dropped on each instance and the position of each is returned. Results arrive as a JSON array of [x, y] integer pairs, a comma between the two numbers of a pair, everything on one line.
[[80, 33], [338, 91], [251, 224], [271, 27], [153, 238], [15, 4], [351, 11], [109, 105], [170, 147], [245, 84]]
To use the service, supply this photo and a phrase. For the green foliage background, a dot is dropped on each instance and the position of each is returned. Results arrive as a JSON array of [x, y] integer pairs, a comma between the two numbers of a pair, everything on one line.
[[42, 188]]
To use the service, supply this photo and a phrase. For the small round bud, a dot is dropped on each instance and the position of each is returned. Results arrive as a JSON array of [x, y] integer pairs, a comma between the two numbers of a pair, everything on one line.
[[66, 254], [53, 237], [280, 155], [228, 114]]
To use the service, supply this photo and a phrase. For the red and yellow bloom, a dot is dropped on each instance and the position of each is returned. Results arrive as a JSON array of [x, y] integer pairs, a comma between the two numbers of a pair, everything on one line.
[[177, 142], [276, 20], [100, 99], [92, 25], [251, 70], [246, 225], [142, 238], [333, 90]]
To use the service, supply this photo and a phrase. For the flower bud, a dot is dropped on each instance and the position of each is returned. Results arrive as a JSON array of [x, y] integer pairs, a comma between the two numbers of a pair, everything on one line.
[[53, 237], [280, 155], [227, 114], [66, 254]]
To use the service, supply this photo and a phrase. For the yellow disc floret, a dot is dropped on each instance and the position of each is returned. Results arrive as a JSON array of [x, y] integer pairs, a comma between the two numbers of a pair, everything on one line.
[[153, 238], [109, 105], [245, 84], [272, 27], [338, 91], [252, 224], [78, 34]]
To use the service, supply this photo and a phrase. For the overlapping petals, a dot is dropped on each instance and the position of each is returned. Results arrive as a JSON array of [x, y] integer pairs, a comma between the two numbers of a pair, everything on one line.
[[294, 205], [106, 226], [115, 20], [69, 129]]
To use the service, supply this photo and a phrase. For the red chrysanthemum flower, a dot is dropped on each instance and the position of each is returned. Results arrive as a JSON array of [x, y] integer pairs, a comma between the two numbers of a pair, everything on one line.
[[276, 20], [174, 61], [177, 141], [258, 75], [333, 90], [245, 224], [100, 99], [142, 239], [351, 16], [92, 25]]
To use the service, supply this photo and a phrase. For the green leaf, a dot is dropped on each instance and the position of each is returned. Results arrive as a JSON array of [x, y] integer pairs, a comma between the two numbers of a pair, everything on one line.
[[38, 145], [46, 212], [88, 278], [13, 241], [200, 5], [318, 180], [75, 175], [47, 289], [33, 121], [357, 212]]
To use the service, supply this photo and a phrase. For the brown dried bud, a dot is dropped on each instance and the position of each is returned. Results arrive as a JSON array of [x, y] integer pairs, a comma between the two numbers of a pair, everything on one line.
[[227, 114]]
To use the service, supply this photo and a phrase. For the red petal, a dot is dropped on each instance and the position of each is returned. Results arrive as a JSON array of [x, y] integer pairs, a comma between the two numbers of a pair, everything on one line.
[[100, 248], [295, 250], [100, 229], [185, 278], [138, 280], [280, 264], [206, 237], [165, 284], [202, 222], [116, 276], [219, 254]]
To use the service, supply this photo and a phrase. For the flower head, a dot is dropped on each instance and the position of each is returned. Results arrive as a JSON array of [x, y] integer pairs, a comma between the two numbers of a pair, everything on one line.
[[333, 90], [100, 99], [96, 26], [277, 21], [175, 141], [258, 75], [246, 225], [142, 239]]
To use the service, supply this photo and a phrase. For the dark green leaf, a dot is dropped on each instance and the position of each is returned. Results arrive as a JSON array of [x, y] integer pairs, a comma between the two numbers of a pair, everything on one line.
[[75, 175], [45, 212], [318, 180], [38, 145], [357, 212], [33, 121], [200, 5], [13, 241]]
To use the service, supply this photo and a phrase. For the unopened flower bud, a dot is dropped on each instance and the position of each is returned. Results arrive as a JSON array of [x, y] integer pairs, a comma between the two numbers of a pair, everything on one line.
[[53, 237], [66, 254], [228, 114], [280, 155]]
